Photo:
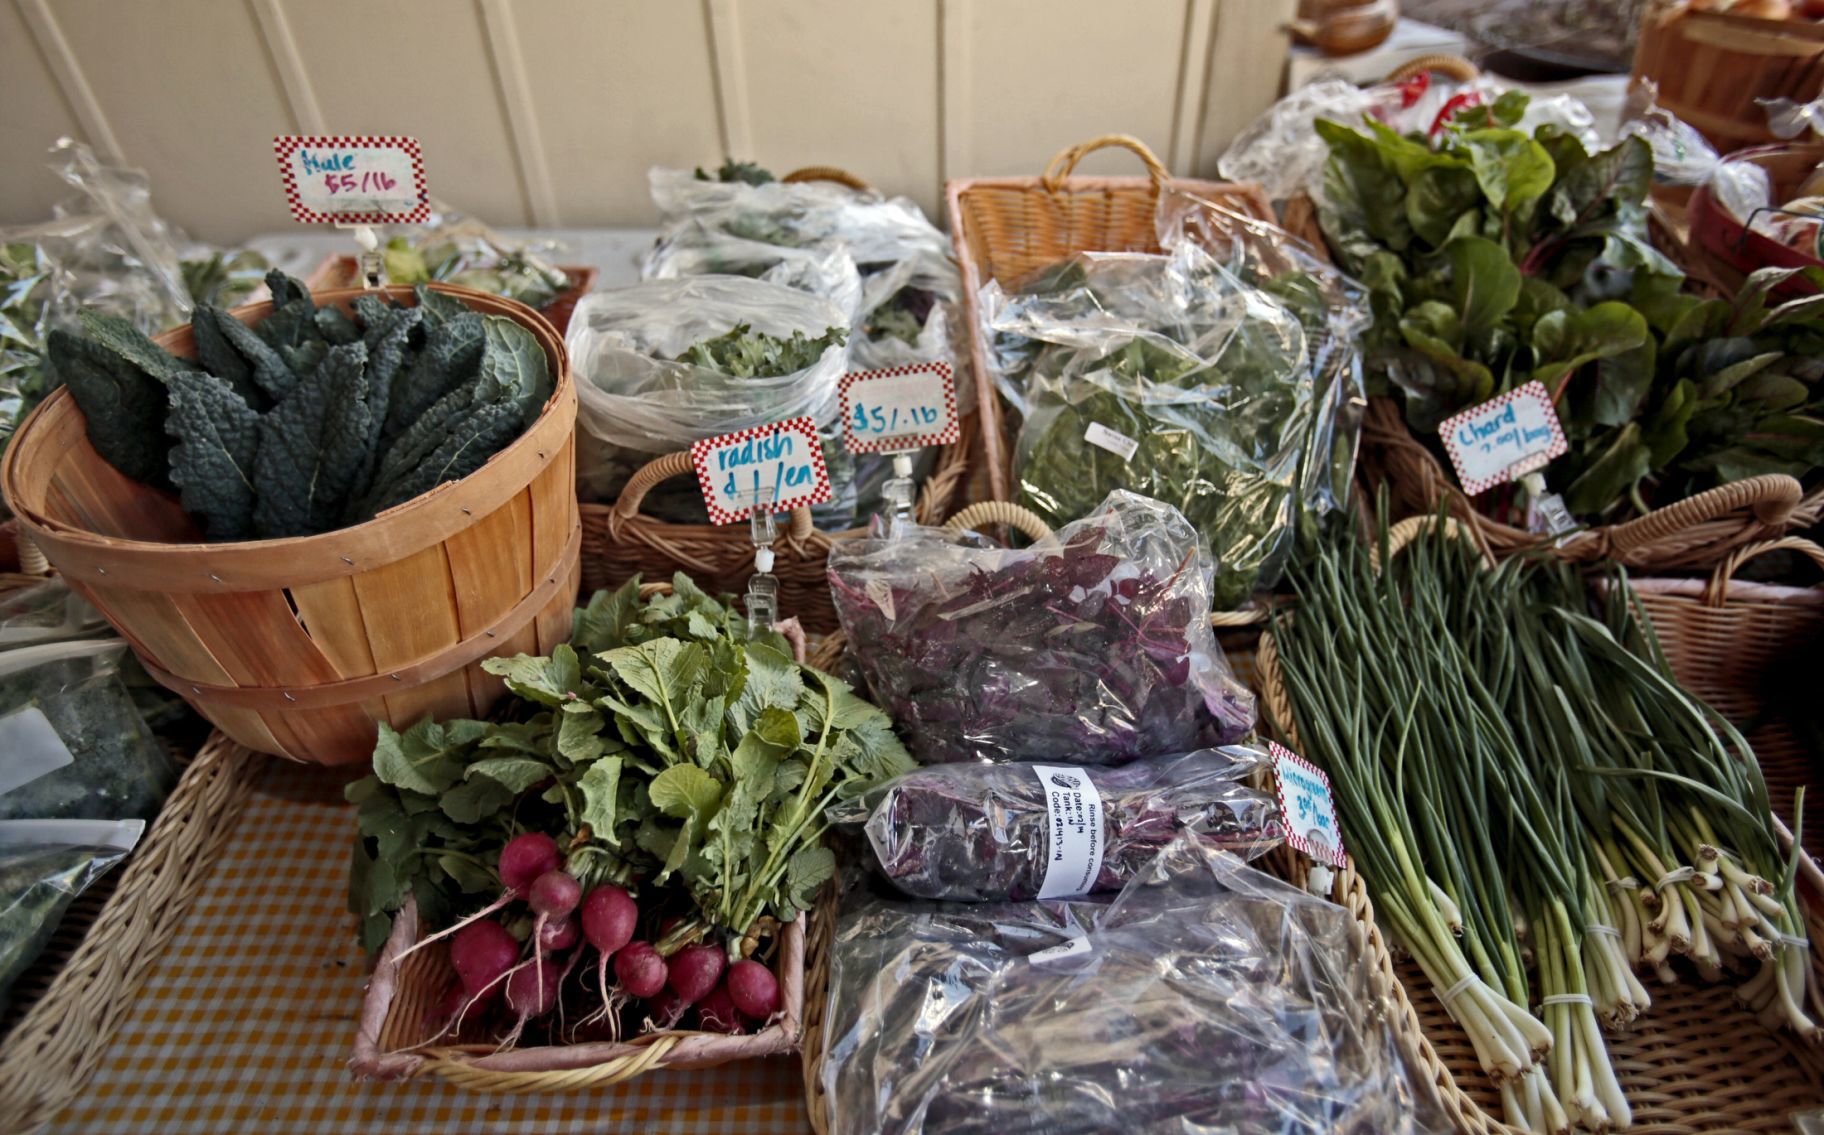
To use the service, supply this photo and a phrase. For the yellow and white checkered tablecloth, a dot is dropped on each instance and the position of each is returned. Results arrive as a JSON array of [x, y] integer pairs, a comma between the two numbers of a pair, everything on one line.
[[247, 1021]]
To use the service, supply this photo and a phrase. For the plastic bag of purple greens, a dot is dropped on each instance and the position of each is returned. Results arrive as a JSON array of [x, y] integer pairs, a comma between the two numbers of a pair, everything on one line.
[[1206, 997], [1094, 642], [996, 832]]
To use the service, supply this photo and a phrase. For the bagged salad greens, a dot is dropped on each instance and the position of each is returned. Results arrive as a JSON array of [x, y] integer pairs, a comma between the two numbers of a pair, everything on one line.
[[1019, 831], [1094, 642], [1209, 383], [1206, 997], [44, 866], [462, 250]]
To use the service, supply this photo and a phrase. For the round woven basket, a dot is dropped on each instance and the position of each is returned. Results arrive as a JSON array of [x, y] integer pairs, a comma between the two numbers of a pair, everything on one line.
[[300, 646], [1693, 1064]]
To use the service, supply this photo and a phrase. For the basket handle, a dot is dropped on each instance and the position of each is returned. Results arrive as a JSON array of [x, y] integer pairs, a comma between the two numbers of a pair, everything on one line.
[[999, 512], [1066, 161], [1408, 530], [1450, 66], [828, 173], [678, 465], [1772, 496], [1718, 590]]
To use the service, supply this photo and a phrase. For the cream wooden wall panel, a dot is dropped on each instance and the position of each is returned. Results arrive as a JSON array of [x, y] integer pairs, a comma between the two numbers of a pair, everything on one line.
[[1026, 78], [33, 115], [618, 88], [187, 89], [1247, 64], [418, 67], [849, 83]]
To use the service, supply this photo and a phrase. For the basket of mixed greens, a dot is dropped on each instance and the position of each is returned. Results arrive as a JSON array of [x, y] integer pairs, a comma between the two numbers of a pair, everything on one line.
[[1495, 257]]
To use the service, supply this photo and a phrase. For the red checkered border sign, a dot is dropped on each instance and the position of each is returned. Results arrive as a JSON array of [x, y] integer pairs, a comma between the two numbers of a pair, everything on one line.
[[1477, 485], [702, 450], [1335, 857], [286, 144], [951, 431]]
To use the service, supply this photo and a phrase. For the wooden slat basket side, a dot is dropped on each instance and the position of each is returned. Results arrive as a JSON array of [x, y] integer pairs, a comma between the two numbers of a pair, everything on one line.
[[1711, 69], [300, 646]]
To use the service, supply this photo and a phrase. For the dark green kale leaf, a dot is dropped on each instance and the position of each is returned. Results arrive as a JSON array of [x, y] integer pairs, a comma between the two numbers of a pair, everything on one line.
[[336, 327], [447, 362], [124, 406], [285, 289], [271, 373], [311, 448], [212, 463], [293, 325], [514, 365], [219, 358], [438, 306], [476, 436], [387, 339], [749, 173]]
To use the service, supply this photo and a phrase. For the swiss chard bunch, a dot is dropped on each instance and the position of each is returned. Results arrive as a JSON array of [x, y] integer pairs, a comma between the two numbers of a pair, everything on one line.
[[310, 420], [664, 744], [1495, 257]]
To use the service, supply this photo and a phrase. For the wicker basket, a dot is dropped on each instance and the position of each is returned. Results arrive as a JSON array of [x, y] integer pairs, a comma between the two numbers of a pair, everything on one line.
[[340, 271], [62, 1037], [1726, 639], [299, 646], [1712, 67], [1694, 533], [1005, 228], [1701, 1065]]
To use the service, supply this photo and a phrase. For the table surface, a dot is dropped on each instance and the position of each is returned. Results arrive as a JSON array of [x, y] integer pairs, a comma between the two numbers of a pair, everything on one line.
[[247, 1022]]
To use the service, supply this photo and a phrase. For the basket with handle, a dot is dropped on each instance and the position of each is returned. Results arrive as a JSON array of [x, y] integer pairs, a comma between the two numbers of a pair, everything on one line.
[[619, 540], [1695, 1062], [1006, 228], [300, 646], [1713, 68]]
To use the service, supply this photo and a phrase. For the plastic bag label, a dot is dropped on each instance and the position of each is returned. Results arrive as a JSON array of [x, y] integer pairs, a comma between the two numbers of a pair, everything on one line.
[[32, 748], [1078, 944], [778, 466], [904, 407], [1504, 438], [1307, 805], [1073, 855], [1114, 441], [359, 180]]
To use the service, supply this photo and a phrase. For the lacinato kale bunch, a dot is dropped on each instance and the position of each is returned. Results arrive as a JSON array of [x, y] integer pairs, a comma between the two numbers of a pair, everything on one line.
[[1094, 642], [984, 833], [309, 420]]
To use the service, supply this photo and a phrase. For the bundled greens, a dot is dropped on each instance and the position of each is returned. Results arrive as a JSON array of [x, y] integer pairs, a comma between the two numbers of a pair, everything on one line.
[[664, 745], [742, 352], [1519, 779], [1495, 258], [309, 420]]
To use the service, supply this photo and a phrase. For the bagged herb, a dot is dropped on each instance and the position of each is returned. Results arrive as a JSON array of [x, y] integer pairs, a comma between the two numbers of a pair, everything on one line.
[[1094, 642], [44, 866], [1018, 831]]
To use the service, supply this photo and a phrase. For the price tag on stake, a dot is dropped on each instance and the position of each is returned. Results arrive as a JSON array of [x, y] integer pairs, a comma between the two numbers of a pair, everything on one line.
[[353, 180], [899, 408], [777, 467], [1307, 807], [1504, 438]]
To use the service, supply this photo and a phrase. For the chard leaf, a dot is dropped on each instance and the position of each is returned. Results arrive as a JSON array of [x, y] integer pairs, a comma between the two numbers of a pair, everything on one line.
[[1484, 284], [1363, 203], [1623, 384], [125, 407], [1618, 176], [1511, 168], [1439, 198], [311, 449], [212, 463], [1727, 378], [1612, 475], [600, 785], [1567, 339], [1665, 433]]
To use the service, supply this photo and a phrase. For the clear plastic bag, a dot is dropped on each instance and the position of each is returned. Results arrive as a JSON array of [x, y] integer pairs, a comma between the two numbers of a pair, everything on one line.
[[47, 612], [1181, 378], [462, 250], [1206, 997], [44, 866], [637, 402], [73, 744], [993, 833], [1091, 646]]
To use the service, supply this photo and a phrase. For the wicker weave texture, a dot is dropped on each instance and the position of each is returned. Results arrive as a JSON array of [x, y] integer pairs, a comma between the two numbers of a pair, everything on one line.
[[53, 1051]]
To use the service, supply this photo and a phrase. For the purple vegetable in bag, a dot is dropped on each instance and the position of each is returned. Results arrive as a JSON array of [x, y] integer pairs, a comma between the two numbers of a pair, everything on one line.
[[1094, 642]]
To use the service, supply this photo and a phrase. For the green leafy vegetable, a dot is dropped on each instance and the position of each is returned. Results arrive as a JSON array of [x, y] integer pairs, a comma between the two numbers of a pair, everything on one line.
[[742, 352]]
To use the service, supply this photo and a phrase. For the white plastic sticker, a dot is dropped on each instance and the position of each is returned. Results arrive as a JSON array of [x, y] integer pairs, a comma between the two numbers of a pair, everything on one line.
[[1306, 804], [1114, 441], [1504, 438], [1073, 854], [1067, 949], [29, 748]]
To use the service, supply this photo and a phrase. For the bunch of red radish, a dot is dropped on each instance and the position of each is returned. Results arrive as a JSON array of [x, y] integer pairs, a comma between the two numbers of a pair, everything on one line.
[[489, 960]]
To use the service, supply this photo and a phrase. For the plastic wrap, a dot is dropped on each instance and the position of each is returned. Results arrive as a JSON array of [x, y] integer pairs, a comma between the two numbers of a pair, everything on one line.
[[988, 833], [1092, 645], [75, 744], [1681, 155], [44, 866], [1206, 997], [638, 402], [47, 612], [1207, 386], [1787, 118], [462, 250]]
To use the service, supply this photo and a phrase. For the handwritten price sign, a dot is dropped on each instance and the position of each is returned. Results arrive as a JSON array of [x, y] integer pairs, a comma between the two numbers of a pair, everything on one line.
[[778, 467], [1503, 439], [899, 408], [353, 180], [1306, 804]]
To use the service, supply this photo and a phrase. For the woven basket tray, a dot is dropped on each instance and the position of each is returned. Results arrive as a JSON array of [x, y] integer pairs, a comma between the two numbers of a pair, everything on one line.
[[1695, 1063], [1005, 228], [110, 939]]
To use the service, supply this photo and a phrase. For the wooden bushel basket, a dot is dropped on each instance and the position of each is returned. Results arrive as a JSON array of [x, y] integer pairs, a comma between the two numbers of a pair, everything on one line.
[[1712, 68], [301, 646]]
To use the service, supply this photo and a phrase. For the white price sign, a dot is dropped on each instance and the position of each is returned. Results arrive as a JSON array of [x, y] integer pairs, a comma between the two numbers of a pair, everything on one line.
[[899, 408], [1503, 439], [777, 467], [354, 179], [1306, 804]]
